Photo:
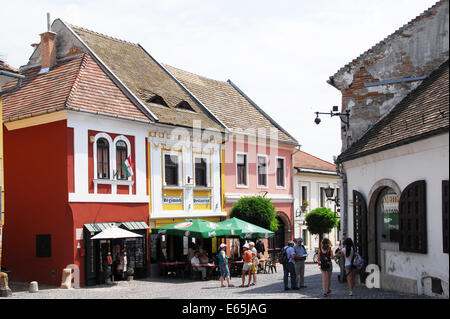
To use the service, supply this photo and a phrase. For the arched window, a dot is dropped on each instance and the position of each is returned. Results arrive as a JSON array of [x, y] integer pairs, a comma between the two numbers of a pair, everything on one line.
[[121, 156], [102, 159]]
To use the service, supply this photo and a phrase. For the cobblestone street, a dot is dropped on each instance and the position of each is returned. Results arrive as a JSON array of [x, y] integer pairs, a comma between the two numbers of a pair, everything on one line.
[[269, 286]]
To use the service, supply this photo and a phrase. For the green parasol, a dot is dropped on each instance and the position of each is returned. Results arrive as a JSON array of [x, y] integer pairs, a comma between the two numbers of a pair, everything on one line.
[[198, 228], [249, 230]]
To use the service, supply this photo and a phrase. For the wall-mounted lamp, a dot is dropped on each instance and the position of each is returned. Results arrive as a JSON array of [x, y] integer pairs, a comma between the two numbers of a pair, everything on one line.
[[335, 112]]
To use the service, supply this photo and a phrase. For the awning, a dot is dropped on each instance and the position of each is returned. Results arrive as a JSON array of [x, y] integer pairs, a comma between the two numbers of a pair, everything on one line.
[[115, 232], [97, 227]]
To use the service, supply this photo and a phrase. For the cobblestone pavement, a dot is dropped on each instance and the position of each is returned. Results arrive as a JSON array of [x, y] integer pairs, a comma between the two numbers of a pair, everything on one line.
[[269, 286]]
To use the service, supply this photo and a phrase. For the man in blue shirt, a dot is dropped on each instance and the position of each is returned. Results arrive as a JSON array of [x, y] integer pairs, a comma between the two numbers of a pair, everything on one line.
[[289, 267], [300, 257]]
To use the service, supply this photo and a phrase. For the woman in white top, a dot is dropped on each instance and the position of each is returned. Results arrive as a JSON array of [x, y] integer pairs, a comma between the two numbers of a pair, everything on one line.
[[348, 251]]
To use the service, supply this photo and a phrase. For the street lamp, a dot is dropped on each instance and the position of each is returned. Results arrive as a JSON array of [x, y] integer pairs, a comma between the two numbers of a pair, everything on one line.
[[329, 192], [335, 112]]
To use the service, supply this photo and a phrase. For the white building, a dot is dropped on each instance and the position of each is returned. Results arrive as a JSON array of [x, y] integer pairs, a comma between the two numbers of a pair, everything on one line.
[[312, 176]]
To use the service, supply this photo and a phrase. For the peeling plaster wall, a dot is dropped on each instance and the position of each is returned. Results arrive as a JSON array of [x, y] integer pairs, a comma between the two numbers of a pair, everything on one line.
[[414, 50], [404, 271]]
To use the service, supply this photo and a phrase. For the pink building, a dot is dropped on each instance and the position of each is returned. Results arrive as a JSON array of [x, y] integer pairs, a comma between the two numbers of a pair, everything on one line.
[[258, 153]]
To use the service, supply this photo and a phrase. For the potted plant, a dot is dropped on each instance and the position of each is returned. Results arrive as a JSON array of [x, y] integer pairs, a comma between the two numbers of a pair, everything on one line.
[[305, 204], [130, 274]]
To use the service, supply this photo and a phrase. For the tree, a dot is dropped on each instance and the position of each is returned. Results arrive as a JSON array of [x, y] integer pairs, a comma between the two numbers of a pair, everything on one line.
[[256, 210], [321, 221]]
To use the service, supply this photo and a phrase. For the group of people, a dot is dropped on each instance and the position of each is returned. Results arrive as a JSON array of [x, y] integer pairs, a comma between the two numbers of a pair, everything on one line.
[[294, 266]]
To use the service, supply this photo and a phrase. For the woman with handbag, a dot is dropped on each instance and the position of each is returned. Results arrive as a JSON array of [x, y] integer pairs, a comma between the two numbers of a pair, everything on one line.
[[326, 265], [350, 270]]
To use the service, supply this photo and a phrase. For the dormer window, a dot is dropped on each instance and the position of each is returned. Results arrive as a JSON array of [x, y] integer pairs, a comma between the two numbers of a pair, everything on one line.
[[157, 100], [183, 105]]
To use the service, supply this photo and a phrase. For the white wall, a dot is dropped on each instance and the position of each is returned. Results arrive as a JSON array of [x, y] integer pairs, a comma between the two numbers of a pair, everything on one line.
[[313, 182], [423, 160]]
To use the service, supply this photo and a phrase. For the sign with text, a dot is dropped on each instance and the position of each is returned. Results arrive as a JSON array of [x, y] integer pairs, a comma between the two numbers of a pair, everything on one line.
[[202, 201], [172, 200]]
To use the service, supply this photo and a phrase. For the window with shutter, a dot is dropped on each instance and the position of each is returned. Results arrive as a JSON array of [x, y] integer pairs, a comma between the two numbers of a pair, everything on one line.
[[413, 218], [445, 223]]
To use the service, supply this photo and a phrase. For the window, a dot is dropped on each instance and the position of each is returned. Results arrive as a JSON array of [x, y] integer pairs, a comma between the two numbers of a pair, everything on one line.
[[445, 222], [183, 105], [200, 172], [171, 169], [322, 197], [305, 237], [413, 218], [241, 167], [262, 171], [157, 100], [280, 172], [102, 159], [304, 194], [121, 156], [43, 246]]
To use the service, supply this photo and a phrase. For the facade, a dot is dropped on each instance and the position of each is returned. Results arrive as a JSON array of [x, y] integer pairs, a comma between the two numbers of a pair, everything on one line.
[[312, 176], [83, 113], [395, 154], [7, 74], [257, 154]]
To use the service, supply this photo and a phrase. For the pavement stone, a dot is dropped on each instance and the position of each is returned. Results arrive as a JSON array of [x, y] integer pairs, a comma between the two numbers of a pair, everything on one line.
[[269, 286]]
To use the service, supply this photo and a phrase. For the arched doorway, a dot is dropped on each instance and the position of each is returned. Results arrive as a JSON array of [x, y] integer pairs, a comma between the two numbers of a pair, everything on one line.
[[282, 235]]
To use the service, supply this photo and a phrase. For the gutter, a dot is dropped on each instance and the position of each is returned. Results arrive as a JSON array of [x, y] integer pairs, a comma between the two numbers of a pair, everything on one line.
[[12, 75]]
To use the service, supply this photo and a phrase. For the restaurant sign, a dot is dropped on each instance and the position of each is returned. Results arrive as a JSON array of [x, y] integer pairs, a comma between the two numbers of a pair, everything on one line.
[[172, 200], [202, 200]]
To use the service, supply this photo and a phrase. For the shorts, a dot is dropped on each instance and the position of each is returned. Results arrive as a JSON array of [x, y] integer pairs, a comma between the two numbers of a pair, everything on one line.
[[224, 271], [349, 267], [328, 269], [247, 267]]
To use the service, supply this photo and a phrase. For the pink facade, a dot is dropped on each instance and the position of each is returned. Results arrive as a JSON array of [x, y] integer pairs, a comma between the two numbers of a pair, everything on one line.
[[280, 195]]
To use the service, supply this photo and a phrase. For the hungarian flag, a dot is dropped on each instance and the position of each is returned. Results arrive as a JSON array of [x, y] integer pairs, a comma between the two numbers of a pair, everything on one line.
[[126, 166]]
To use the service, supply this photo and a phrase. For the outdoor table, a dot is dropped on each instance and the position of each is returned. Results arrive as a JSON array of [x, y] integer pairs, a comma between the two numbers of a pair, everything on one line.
[[210, 269], [173, 266]]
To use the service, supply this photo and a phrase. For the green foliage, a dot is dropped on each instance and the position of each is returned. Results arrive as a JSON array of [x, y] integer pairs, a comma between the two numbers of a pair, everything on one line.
[[321, 221], [256, 210]]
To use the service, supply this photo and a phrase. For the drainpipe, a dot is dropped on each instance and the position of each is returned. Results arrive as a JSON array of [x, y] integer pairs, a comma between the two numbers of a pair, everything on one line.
[[344, 215], [293, 185], [12, 75]]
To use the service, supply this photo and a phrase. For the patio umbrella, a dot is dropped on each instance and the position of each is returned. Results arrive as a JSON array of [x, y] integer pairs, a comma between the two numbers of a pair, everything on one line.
[[198, 228], [249, 230], [115, 232]]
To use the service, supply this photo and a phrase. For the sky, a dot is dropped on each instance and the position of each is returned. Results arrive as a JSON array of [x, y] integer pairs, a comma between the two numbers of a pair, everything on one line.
[[280, 53]]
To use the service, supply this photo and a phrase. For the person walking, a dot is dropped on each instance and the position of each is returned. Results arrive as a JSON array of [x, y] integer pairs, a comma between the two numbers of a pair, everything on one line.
[[255, 261], [248, 264], [326, 265], [300, 258], [289, 267], [223, 266], [348, 251]]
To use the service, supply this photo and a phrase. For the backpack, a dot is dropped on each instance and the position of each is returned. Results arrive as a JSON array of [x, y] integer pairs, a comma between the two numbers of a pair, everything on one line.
[[284, 259], [357, 261], [325, 261]]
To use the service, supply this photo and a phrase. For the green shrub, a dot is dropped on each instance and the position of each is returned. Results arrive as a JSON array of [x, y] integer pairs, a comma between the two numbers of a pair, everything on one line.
[[321, 221], [256, 210]]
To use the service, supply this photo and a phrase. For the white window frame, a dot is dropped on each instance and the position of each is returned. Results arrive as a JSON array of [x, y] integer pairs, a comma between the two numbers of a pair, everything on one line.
[[208, 169], [112, 161], [267, 171], [124, 139], [180, 172], [246, 170], [284, 172]]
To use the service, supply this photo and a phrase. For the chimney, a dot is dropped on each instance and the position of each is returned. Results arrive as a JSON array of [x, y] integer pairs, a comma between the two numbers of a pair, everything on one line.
[[48, 48]]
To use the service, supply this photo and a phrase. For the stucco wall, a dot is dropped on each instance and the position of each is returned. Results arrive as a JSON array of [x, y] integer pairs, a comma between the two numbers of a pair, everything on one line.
[[423, 160]]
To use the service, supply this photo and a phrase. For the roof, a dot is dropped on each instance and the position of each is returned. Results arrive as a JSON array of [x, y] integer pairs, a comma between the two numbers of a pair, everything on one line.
[[424, 112], [426, 14], [229, 104], [5, 67], [308, 161], [146, 79], [76, 83]]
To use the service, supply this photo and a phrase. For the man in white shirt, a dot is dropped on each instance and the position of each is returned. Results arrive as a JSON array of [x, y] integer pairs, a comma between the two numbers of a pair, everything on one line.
[[195, 262]]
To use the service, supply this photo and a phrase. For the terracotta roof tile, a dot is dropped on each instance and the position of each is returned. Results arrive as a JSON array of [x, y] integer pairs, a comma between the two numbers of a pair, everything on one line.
[[306, 160], [145, 77], [421, 114], [5, 67], [227, 104], [73, 83]]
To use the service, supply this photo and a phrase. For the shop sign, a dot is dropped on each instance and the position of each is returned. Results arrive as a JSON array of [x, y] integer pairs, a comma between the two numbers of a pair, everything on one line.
[[202, 201], [172, 200], [390, 210]]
